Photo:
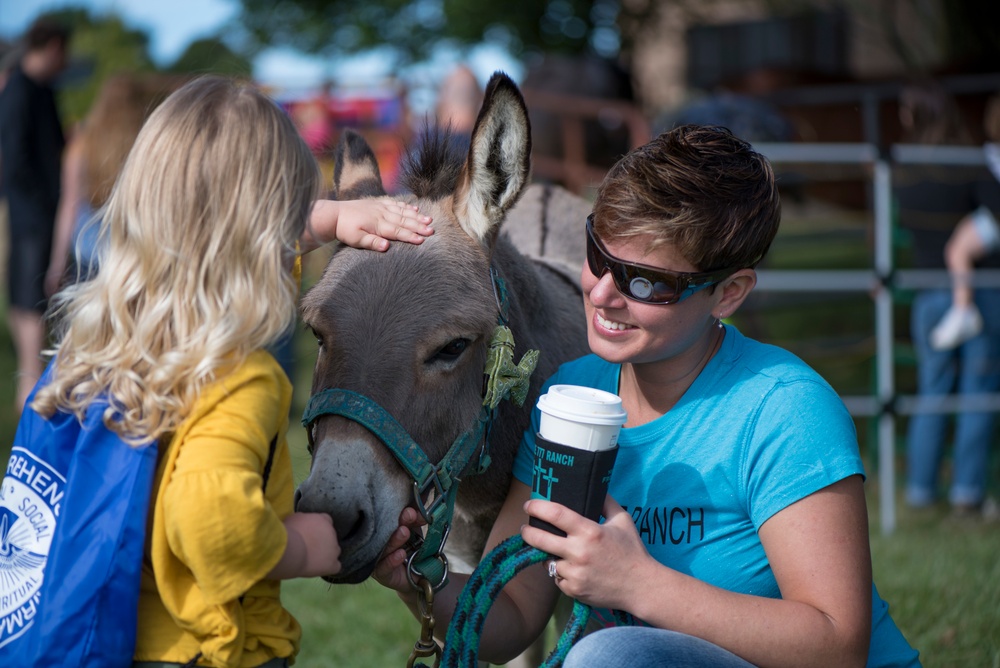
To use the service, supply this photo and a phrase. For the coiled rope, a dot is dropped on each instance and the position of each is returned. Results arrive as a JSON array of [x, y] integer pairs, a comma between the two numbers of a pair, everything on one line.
[[461, 645]]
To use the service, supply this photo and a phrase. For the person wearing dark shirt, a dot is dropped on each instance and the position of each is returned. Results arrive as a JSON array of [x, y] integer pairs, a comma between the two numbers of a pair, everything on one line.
[[31, 140]]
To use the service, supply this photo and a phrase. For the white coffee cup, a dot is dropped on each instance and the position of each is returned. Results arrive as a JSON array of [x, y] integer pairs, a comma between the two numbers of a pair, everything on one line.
[[581, 417]]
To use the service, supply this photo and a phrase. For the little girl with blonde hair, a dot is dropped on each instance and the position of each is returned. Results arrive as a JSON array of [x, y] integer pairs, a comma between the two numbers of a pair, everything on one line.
[[197, 278]]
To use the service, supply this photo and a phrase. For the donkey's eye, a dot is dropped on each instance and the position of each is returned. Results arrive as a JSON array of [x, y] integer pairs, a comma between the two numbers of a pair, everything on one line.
[[450, 351], [316, 335]]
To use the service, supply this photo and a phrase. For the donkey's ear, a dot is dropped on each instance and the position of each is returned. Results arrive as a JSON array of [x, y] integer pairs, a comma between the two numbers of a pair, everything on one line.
[[355, 170], [499, 162]]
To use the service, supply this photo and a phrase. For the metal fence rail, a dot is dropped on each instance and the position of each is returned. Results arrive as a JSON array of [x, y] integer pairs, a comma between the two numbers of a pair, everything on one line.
[[881, 282]]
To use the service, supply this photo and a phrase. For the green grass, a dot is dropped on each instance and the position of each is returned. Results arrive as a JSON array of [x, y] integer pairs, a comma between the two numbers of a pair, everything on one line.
[[941, 579], [350, 625], [940, 576]]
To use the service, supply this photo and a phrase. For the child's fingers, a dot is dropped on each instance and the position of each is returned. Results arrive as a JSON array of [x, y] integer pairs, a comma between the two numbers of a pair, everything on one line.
[[380, 242], [397, 232], [373, 242], [406, 218], [394, 221], [401, 233]]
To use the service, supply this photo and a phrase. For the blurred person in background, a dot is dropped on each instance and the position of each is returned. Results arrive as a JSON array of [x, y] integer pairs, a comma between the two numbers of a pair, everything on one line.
[[9, 56], [32, 141], [974, 239], [93, 158], [458, 101], [932, 201]]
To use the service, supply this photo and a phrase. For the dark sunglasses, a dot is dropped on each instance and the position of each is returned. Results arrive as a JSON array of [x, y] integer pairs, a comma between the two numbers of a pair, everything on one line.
[[648, 285]]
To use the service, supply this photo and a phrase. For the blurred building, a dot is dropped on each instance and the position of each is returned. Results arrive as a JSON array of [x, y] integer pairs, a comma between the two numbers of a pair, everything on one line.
[[812, 71], [704, 45]]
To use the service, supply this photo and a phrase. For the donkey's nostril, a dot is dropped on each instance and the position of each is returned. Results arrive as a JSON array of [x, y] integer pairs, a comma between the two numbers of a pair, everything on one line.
[[298, 495]]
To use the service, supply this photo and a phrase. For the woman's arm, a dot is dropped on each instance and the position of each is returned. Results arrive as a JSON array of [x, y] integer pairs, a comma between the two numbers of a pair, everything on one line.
[[364, 223], [817, 547]]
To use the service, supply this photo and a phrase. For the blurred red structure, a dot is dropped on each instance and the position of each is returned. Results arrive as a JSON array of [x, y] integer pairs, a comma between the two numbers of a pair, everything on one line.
[[379, 114]]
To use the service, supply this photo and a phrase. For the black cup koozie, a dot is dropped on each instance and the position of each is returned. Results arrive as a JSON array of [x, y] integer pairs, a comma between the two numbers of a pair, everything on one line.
[[575, 478]]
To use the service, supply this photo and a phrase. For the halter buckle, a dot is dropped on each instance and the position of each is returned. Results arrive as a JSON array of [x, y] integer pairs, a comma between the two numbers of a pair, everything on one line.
[[421, 488]]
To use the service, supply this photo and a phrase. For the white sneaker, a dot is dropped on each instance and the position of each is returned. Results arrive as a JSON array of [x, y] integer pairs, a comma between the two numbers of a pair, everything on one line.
[[957, 326]]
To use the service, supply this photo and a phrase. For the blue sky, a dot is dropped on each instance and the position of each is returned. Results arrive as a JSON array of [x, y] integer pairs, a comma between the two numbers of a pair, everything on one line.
[[173, 24]]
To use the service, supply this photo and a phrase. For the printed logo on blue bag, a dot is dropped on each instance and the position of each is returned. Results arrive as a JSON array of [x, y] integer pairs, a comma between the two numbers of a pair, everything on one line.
[[30, 495]]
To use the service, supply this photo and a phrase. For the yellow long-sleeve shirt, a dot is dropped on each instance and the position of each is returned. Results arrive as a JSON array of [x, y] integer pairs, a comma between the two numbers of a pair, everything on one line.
[[215, 533]]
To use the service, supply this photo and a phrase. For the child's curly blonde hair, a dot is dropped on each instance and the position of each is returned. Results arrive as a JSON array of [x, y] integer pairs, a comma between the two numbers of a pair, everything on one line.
[[196, 273]]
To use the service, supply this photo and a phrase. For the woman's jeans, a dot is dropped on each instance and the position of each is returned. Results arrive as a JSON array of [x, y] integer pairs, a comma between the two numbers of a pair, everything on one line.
[[641, 646], [972, 368]]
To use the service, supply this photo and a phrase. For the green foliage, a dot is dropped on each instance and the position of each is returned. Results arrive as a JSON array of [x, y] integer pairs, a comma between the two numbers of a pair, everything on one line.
[[211, 54], [413, 27]]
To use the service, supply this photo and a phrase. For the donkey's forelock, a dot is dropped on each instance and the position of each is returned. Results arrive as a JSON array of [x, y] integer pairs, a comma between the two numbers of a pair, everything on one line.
[[431, 170]]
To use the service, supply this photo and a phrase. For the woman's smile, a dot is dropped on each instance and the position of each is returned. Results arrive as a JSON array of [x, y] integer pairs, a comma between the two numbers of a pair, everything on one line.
[[611, 324]]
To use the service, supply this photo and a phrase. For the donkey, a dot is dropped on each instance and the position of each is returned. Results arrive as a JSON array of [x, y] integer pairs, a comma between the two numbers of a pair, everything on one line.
[[409, 329]]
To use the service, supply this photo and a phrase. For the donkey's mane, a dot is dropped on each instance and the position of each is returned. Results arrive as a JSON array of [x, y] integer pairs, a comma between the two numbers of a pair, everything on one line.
[[431, 169]]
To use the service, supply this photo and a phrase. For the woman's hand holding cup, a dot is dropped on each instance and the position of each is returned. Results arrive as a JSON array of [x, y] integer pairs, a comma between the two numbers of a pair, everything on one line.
[[595, 563]]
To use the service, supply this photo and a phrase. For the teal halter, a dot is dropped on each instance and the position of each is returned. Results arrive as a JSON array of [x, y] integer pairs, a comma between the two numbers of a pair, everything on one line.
[[440, 480]]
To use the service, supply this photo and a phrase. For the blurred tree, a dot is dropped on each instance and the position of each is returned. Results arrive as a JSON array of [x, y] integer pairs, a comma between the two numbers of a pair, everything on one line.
[[968, 31], [413, 27], [211, 54]]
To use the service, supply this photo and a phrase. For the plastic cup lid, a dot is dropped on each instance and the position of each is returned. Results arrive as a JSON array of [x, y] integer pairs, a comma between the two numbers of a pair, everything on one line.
[[583, 404]]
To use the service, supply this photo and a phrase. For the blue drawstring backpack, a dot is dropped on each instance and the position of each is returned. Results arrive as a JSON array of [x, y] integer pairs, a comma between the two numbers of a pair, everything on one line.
[[73, 507]]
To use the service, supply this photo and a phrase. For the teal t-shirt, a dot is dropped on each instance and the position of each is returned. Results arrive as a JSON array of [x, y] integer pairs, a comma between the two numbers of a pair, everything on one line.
[[757, 431]]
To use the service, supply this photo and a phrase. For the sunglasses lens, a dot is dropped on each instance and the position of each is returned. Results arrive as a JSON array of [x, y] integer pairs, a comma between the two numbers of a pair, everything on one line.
[[640, 288], [638, 284]]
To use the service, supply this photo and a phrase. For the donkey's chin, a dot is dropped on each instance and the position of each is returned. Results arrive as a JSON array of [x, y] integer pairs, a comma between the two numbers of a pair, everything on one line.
[[356, 576], [357, 565]]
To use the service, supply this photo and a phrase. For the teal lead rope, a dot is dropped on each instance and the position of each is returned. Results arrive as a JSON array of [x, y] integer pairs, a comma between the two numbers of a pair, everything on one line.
[[461, 645]]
